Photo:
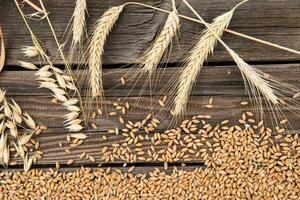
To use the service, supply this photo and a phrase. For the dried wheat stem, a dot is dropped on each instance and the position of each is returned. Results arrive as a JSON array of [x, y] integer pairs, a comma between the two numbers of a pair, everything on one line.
[[64, 82], [59, 46], [227, 30], [156, 51], [79, 22], [34, 6], [101, 30], [35, 41], [60, 50], [2, 53], [173, 4], [194, 63]]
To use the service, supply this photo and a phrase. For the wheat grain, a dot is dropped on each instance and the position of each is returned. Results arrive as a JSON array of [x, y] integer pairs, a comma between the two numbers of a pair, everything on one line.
[[94, 126], [122, 81], [27, 65], [244, 103], [100, 32], [75, 128], [194, 63], [69, 162], [80, 136]]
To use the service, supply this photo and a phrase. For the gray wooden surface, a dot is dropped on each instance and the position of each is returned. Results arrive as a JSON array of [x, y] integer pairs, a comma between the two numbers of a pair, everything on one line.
[[273, 20], [277, 21]]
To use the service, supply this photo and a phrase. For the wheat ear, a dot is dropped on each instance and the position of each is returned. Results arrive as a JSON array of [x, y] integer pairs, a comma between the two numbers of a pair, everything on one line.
[[155, 53], [264, 88], [60, 84], [100, 33], [275, 92], [255, 79], [79, 22], [194, 63]]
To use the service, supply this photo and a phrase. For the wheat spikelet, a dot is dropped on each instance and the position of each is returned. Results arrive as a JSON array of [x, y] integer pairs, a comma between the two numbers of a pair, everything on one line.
[[194, 63], [13, 123], [155, 53], [100, 32], [79, 22], [60, 85], [30, 51], [254, 78], [264, 89]]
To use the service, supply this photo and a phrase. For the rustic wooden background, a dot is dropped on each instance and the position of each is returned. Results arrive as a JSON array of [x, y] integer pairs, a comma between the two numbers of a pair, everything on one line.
[[277, 21]]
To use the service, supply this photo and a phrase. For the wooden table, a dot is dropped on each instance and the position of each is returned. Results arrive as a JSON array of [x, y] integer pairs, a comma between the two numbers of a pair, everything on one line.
[[277, 21]]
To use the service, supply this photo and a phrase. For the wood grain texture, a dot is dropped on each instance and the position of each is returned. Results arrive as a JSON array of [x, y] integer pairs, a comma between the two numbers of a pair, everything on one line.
[[215, 81], [277, 21], [137, 169]]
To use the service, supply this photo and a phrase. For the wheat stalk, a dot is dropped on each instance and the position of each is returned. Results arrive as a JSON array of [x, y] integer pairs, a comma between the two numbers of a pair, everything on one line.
[[276, 92], [54, 78], [79, 22], [155, 53], [100, 32], [148, 62], [2, 53], [254, 39], [194, 63]]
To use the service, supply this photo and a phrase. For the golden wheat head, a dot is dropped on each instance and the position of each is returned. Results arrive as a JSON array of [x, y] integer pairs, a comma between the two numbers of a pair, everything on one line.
[[155, 53], [266, 90], [194, 63], [79, 22], [101, 30]]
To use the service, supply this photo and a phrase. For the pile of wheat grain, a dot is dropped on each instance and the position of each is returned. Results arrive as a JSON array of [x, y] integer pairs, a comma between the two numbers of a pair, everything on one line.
[[241, 161]]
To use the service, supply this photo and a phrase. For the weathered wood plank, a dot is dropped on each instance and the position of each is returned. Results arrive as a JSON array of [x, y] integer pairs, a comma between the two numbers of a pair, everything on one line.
[[226, 88], [213, 80], [137, 169], [50, 115], [276, 21], [93, 146]]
